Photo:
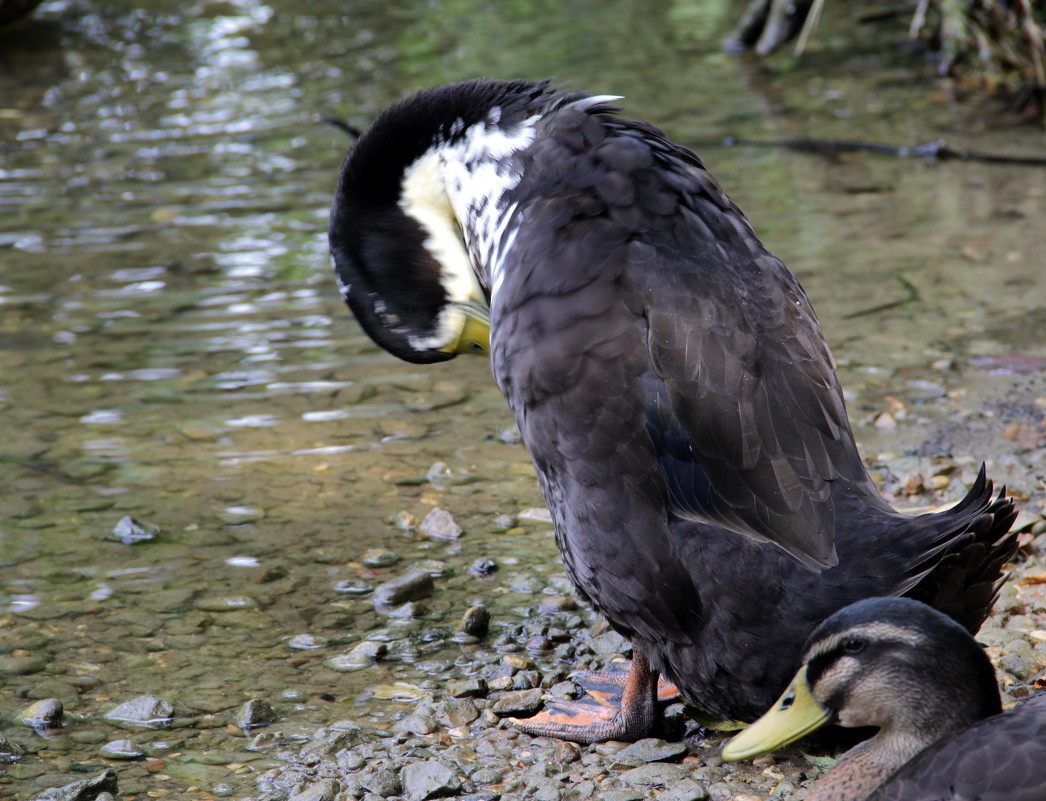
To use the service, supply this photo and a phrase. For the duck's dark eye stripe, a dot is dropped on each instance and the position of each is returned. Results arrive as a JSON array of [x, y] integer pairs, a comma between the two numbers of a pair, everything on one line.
[[816, 667]]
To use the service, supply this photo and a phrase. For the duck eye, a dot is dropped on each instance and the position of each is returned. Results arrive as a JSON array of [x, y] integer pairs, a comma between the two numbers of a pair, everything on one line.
[[476, 347], [853, 645]]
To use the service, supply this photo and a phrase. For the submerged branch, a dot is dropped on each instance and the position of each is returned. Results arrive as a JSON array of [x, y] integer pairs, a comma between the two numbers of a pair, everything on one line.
[[933, 151]]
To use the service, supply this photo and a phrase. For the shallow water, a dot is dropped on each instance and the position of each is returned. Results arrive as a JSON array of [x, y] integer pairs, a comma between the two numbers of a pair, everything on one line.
[[173, 347]]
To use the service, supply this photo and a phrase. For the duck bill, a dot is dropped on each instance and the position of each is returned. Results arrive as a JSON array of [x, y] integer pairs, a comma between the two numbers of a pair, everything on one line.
[[475, 330], [796, 714]]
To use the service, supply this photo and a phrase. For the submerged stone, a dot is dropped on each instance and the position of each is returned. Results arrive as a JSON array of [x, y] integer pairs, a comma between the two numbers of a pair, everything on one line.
[[83, 790], [255, 713], [130, 530], [145, 711], [45, 714], [408, 587], [379, 557], [439, 524], [362, 655], [475, 621], [121, 749]]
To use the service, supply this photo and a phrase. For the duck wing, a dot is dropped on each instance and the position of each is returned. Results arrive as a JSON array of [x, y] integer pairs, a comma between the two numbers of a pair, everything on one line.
[[1001, 758], [748, 416]]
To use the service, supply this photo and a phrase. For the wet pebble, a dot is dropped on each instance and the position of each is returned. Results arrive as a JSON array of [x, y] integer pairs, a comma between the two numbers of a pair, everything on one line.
[[653, 774], [459, 712], [121, 749], [47, 713], [408, 587], [406, 611], [8, 751], [307, 642], [557, 603], [439, 524], [329, 741], [225, 603], [145, 711], [379, 557], [684, 790], [648, 750], [475, 621], [85, 789], [323, 790], [130, 531], [467, 688], [21, 665], [419, 723], [518, 702], [443, 477], [240, 515], [483, 567], [362, 655], [383, 781], [609, 643], [429, 778], [255, 713]]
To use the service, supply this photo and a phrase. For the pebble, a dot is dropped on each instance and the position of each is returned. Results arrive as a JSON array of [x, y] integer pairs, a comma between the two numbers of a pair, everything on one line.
[[443, 477], [684, 790], [467, 688], [408, 587], [379, 557], [85, 789], [383, 781], [44, 714], [21, 665], [429, 778], [439, 524], [225, 603], [307, 642], [459, 711], [131, 531], [121, 749], [518, 702], [475, 621], [483, 567], [362, 655], [323, 790], [255, 713], [8, 751], [145, 711], [654, 774], [648, 750]]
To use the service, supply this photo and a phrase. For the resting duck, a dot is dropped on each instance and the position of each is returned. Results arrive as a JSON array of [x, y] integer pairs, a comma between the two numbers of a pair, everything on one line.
[[669, 379], [930, 688]]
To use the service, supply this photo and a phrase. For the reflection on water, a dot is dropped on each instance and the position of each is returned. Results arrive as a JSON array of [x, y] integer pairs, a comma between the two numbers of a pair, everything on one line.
[[173, 347]]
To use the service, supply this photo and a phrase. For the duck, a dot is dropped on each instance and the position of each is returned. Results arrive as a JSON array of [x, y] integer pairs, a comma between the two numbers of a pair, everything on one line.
[[669, 380], [930, 688]]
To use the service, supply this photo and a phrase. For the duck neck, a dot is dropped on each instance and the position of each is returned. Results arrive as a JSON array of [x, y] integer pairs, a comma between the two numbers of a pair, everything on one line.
[[864, 767]]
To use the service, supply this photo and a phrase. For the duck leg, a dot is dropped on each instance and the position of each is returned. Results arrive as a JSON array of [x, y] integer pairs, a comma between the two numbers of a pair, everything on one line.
[[617, 706]]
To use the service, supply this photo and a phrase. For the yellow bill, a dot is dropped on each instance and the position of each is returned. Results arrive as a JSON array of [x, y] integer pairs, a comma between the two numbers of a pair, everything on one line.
[[796, 714], [475, 330]]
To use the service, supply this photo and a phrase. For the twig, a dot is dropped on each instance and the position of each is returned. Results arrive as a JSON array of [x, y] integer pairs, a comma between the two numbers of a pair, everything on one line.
[[936, 150], [340, 124]]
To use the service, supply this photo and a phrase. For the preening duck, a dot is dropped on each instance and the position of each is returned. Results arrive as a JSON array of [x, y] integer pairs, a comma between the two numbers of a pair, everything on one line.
[[919, 676], [669, 379]]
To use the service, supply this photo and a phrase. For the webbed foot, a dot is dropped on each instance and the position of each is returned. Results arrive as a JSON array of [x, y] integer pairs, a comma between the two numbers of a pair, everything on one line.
[[618, 705]]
